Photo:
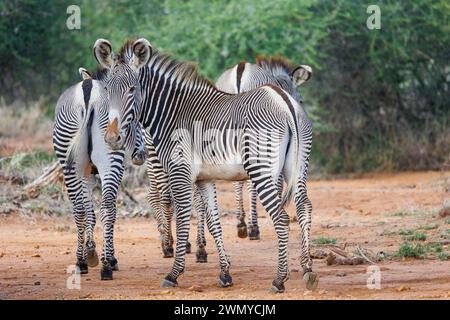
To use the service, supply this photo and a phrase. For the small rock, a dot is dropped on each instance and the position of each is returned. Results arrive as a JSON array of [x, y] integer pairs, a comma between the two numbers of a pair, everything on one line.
[[1, 254], [195, 288], [133, 243], [307, 293], [36, 255], [65, 252], [36, 246], [294, 270], [37, 283], [403, 288], [88, 279], [322, 292], [341, 274]]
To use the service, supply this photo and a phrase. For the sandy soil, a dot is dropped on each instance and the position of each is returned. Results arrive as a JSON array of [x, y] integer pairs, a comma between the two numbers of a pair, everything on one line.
[[36, 252]]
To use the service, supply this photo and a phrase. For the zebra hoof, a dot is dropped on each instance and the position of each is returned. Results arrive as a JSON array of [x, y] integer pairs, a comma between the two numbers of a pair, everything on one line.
[[254, 233], [242, 230], [225, 280], [201, 255], [82, 267], [167, 252], [114, 264], [106, 273], [188, 247], [276, 287], [166, 283], [92, 258], [311, 280]]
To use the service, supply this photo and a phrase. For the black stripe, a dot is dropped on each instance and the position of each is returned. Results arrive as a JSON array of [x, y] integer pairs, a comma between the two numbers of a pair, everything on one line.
[[87, 88], [285, 98], [239, 72], [89, 129]]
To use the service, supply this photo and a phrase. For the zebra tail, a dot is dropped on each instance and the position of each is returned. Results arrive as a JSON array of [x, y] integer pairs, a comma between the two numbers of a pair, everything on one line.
[[80, 140], [291, 180]]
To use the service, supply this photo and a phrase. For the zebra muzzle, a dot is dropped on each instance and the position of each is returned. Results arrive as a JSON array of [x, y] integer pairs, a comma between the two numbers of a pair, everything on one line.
[[113, 137]]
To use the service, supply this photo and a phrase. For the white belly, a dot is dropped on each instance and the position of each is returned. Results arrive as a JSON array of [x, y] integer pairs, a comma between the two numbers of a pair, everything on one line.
[[230, 172]]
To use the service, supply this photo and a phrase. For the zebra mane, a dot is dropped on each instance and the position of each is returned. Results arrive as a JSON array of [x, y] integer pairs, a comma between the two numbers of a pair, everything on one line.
[[276, 65], [182, 71], [100, 74]]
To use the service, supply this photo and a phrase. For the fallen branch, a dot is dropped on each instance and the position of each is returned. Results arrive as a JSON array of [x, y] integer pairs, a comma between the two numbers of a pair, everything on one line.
[[52, 175], [361, 252], [333, 259]]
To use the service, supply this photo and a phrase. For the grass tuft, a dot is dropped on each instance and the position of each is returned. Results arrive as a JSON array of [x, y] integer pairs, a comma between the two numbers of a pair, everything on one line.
[[324, 240]]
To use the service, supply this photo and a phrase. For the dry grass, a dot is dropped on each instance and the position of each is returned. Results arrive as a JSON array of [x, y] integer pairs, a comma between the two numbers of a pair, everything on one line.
[[23, 129]]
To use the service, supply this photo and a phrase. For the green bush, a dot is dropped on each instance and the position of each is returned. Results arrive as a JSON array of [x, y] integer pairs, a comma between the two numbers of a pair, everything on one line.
[[379, 98]]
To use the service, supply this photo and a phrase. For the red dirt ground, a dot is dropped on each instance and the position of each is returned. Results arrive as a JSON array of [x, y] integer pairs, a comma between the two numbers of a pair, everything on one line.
[[35, 253]]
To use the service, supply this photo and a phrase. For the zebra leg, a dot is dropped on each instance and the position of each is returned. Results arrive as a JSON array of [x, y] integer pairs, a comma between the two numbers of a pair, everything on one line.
[[253, 224], [167, 241], [304, 210], [92, 257], [268, 194], [181, 186], [75, 191], [156, 203], [110, 186], [241, 226], [208, 191], [201, 254]]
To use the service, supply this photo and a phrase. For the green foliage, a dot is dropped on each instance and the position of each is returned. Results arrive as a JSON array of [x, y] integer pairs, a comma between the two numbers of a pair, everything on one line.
[[404, 232], [416, 236], [324, 240], [379, 98], [408, 250], [22, 161], [443, 256]]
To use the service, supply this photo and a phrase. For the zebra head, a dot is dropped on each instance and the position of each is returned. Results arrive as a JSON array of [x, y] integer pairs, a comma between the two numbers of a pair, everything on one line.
[[288, 76], [122, 85]]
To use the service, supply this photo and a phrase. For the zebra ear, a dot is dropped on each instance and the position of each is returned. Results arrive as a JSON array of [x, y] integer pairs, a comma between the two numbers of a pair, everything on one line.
[[301, 74], [142, 51], [84, 73], [103, 53]]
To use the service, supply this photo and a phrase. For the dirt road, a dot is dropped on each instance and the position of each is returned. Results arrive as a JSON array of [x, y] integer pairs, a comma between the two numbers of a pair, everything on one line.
[[371, 211]]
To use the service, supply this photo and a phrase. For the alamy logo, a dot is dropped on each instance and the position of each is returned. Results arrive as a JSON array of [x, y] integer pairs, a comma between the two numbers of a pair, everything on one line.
[[374, 20], [374, 278], [74, 280], [73, 22]]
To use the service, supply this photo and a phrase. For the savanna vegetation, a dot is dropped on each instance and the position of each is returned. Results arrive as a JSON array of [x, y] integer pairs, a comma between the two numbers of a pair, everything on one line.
[[379, 98]]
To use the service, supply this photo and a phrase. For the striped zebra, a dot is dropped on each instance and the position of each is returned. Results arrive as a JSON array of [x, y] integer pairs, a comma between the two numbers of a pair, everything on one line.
[[247, 76], [81, 118], [202, 134]]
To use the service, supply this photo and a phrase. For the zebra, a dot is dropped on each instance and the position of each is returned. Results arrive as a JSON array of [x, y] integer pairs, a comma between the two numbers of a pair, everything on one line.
[[242, 77], [177, 105], [246, 76], [81, 118]]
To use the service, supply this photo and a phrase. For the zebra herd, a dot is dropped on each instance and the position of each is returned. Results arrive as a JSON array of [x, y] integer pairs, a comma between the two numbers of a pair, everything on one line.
[[250, 126]]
